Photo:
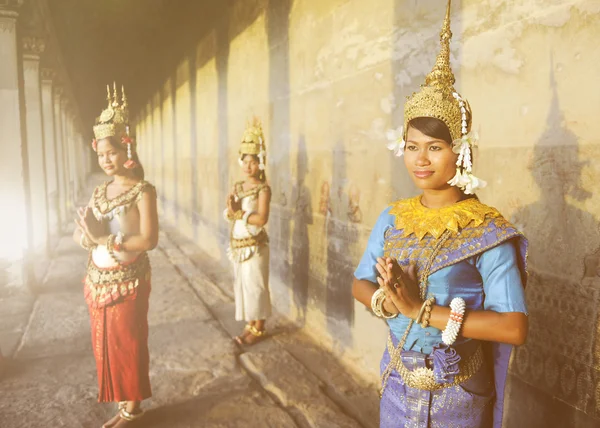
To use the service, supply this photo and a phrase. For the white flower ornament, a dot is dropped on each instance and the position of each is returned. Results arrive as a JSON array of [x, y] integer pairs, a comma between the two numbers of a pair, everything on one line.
[[464, 178], [261, 158], [396, 141]]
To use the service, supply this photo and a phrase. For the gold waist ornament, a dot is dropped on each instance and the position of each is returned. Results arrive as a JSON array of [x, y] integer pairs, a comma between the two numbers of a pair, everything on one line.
[[109, 285], [423, 378], [254, 241]]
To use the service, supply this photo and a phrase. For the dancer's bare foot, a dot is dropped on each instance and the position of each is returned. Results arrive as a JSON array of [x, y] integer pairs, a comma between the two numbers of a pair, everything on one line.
[[112, 421], [123, 423], [241, 339], [124, 419], [254, 335]]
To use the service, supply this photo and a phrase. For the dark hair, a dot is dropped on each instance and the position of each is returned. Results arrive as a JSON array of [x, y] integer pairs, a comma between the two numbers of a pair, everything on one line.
[[263, 175], [138, 171], [431, 127]]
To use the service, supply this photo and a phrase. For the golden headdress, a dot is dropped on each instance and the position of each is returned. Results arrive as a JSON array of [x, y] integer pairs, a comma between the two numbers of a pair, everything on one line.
[[438, 99], [114, 122], [114, 119], [253, 143]]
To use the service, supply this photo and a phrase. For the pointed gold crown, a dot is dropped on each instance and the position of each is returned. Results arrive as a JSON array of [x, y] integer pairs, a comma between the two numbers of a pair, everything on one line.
[[253, 140], [114, 119], [437, 97]]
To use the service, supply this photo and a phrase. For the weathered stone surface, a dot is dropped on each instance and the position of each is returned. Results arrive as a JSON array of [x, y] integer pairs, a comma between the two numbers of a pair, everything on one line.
[[296, 388], [59, 326], [14, 317], [209, 292], [187, 356], [48, 392], [194, 265], [358, 399], [196, 376], [229, 409], [172, 299], [214, 272], [65, 273]]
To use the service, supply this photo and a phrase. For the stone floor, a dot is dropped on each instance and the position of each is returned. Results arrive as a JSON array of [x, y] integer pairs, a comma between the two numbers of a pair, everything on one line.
[[200, 377]]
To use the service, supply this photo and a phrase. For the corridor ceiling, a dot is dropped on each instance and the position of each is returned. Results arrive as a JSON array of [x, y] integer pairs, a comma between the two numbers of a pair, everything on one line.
[[133, 42]]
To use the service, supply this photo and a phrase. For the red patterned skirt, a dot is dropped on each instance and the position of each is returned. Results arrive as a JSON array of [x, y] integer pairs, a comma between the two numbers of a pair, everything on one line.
[[117, 299]]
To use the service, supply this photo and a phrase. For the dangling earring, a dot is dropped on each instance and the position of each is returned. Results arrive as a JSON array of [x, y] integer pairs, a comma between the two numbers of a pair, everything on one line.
[[130, 164]]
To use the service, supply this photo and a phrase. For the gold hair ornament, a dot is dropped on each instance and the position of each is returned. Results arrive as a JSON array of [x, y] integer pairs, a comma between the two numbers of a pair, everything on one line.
[[253, 143], [114, 122], [438, 99]]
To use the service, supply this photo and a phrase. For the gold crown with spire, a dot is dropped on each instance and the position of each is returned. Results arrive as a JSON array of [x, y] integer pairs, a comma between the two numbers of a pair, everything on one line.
[[114, 119], [437, 97], [253, 140], [253, 143]]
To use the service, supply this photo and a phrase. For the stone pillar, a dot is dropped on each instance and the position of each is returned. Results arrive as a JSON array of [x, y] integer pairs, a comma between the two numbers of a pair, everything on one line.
[[60, 163], [71, 159], [48, 117], [78, 164], [13, 179], [65, 161], [33, 47]]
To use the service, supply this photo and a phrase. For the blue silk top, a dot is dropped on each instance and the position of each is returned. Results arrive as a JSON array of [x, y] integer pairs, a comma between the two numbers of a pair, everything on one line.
[[491, 279]]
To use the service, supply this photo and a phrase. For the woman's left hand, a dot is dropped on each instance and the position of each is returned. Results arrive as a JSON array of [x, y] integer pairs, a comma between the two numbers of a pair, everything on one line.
[[400, 286], [88, 224], [236, 204]]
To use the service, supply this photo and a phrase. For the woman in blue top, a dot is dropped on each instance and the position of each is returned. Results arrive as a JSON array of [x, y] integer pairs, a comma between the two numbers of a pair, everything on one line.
[[446, 271]]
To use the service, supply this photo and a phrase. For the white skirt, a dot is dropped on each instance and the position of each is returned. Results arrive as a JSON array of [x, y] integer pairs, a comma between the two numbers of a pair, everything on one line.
[[251, 287]]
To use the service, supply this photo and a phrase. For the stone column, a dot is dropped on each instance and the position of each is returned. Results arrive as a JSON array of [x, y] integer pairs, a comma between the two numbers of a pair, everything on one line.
[[51, 153], [78, 154], [65, 161], [33, 47], [72, 159], [13, 178], [60, 164]]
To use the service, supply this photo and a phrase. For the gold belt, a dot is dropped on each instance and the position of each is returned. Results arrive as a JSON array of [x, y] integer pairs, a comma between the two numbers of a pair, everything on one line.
[[253, 241], [106, 285], [422, 377]]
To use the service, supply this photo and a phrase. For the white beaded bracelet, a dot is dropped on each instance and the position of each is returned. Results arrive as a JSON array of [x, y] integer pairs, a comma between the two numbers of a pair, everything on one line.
[[457, 313]]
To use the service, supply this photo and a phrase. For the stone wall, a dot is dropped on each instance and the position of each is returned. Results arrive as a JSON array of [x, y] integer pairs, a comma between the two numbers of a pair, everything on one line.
[[328, 78]]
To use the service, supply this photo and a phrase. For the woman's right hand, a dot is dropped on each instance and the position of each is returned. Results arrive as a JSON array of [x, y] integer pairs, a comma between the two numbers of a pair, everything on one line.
[[230, 204], [389, 307]]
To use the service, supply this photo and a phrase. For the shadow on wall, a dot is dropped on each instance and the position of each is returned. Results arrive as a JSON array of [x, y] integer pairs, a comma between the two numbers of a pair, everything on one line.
[[302, 216], [561, 356], [195, 209], [222, 63], [175, 206], [278, 146], [342, 233]]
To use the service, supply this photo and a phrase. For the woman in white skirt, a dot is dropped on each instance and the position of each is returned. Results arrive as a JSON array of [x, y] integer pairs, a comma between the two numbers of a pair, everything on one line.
[[248, 212]]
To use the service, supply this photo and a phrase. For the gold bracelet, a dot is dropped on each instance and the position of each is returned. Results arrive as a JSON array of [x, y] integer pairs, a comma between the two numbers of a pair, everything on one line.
[[82, 242], [85, 244], [379, 293], [421, 312], [238, 215], [110, 242], [384, 314], [427, 314]]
